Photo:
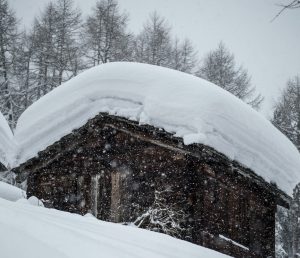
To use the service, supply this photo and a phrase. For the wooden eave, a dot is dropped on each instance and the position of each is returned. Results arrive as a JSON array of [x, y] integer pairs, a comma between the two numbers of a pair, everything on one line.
[[150, 134]]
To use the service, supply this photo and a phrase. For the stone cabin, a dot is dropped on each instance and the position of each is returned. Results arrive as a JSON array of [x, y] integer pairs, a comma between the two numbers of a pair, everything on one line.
[[114, 167]]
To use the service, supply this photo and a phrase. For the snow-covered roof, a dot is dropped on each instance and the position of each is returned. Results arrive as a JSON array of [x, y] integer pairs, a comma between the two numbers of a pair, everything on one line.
[[190, 107], [6, 142]]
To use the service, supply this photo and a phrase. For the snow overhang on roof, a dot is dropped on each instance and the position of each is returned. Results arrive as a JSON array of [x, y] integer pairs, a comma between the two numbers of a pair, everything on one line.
[[190, 107], [7, 146]]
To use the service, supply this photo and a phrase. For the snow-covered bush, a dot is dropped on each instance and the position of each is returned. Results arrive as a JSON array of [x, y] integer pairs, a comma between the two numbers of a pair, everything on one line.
[[164, 216]]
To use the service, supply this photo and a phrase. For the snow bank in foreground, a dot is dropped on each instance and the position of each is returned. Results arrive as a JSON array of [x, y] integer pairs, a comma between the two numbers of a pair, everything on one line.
[[11, 193], [34, 232], [189, 107], [6, 142]]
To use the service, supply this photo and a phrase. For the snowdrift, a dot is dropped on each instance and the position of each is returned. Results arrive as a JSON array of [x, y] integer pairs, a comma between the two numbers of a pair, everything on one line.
[[33, 232], [11, 193], [189, 107]]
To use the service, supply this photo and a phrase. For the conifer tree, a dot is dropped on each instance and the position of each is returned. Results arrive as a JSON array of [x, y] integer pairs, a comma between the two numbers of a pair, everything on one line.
[[183, 56], [154, 45], [105, 34], [220, 68], [8, 40], [286, 116]]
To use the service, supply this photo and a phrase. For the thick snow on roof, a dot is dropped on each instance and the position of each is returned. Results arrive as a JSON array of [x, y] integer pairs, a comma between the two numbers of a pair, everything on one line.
[[6, 142], [189, 107], [48, 233]]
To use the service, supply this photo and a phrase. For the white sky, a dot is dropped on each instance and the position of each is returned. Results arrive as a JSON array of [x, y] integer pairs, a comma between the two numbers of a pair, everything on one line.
[[270, 51]]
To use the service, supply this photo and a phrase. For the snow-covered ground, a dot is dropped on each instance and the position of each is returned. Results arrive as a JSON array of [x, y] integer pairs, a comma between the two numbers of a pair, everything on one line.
[[189, 107], [28, 231], [11, 193]]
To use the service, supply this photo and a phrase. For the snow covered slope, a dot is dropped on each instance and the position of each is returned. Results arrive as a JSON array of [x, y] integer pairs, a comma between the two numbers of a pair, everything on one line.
[[10, 192], [33, 232], [191, 108], [6, 142]]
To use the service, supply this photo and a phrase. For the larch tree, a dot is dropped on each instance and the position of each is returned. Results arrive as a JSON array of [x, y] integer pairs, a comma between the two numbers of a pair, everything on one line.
[[42, 37], [48, 54], [55, 37], [283, 233], [288, 228], [24, 73], [295, 221], [8, 40], [67, 25], [183, 56], [154, 45], [286, 116], [220, 68], [105, 34]]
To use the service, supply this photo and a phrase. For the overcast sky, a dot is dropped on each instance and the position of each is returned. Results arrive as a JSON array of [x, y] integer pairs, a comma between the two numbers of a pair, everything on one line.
[[269, 50]]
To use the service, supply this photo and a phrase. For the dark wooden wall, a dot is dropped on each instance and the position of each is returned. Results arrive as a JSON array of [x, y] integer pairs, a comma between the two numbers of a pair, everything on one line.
[[111, 169]]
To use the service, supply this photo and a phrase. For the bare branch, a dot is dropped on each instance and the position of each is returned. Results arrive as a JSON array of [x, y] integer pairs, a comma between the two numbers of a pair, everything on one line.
[[292, 5]]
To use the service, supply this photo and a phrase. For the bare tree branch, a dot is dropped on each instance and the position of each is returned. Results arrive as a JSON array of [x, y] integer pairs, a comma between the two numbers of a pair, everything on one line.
[[292, 5]]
